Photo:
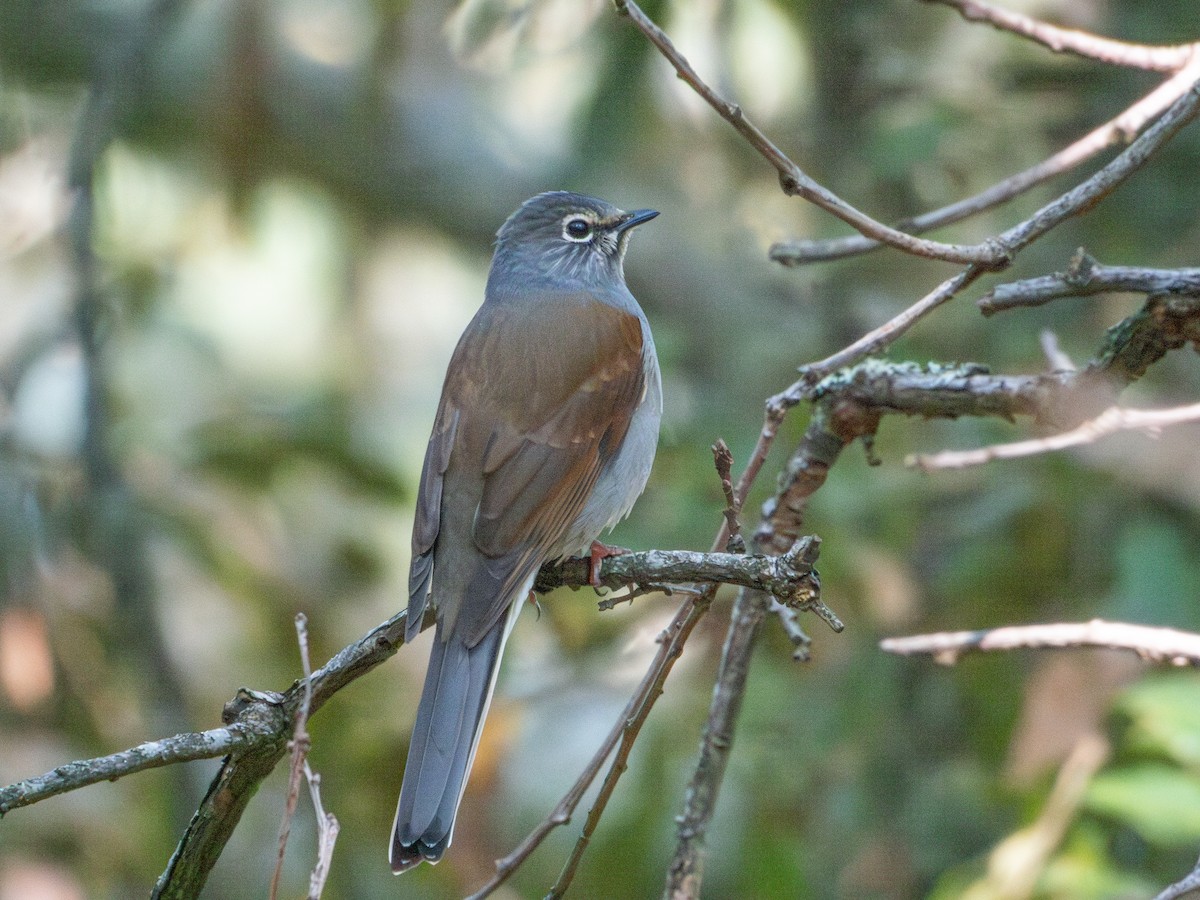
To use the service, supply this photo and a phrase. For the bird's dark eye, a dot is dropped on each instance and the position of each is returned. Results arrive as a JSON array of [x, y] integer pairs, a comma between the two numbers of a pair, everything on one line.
[[578, 228]]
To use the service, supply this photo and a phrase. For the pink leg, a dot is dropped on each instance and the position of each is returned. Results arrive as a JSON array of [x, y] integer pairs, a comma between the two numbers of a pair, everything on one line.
[[599, 552]]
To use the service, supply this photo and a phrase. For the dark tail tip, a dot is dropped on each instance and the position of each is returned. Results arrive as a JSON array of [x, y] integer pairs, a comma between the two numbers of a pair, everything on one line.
[[407, 856]]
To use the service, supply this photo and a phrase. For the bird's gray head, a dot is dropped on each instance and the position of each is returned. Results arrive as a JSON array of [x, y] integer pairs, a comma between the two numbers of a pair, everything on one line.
[[566, 237]]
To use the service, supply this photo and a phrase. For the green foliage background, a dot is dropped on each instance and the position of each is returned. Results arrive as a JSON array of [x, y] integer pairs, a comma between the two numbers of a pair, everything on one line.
[[294, 225]]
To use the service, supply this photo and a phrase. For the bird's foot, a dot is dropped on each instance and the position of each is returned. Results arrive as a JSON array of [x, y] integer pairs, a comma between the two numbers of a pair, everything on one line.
[[599, 552]]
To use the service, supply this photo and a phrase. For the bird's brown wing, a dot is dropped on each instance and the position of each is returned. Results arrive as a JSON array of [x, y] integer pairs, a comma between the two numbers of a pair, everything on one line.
[[427, 521], [538, 398]]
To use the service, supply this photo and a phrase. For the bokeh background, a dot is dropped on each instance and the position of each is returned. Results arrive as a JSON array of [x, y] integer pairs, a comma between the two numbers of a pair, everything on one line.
[[293, 225]]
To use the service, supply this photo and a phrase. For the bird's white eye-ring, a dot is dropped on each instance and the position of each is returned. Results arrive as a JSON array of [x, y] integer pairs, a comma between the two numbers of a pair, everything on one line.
[[577, 228]]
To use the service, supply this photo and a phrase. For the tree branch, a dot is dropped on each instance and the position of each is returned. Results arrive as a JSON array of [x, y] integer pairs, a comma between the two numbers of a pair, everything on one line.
[[794, 181], [232, 739], [1119, 130], [785, 577], [1074, 202], [700, 800], [850, 403], [1110, 421], [258, 725], [1068, 40], [1085, 277], [627, 728], [1183, 887], [1163, 645]]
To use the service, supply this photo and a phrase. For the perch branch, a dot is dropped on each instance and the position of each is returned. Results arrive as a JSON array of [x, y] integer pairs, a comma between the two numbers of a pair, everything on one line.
[[259, 725], [627, 728], [781, 576]]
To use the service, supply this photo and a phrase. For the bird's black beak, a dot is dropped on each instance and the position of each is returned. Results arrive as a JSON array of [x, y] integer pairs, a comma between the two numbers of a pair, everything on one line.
[[637, 217]]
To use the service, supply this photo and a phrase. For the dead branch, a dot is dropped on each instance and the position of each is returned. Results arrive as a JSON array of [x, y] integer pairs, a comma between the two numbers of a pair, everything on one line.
[[1163, 645], [793, 179], [1069, 40], [1117, 131], [1085, 277], [1110, 421]]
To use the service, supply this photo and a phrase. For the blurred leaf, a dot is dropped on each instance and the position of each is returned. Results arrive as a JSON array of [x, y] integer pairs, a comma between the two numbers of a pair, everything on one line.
[[1161, 803], [251, 451], [1165, 716], [477, 23], [1084, 871], [1157, 574]]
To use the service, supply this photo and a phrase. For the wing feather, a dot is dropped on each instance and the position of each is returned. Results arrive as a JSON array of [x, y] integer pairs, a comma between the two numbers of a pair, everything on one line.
[[539, 440]]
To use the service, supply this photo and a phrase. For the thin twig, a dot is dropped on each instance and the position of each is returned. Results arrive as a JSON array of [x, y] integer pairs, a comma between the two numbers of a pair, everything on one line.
[[877, 340], [777, 408], [723, 459], [673, 640], [612, 601], [684, 874], [1068, 40], [1181, 888], [790, 622], [1119, 130], [1178, 648], [1083, 197], [327, 832], [299, 745], [562, 812], [623, 733], [1074, 202], [793, 180], [1110, 421]]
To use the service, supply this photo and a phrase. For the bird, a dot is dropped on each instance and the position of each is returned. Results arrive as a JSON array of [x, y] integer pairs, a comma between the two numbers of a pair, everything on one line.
[[543, 439]]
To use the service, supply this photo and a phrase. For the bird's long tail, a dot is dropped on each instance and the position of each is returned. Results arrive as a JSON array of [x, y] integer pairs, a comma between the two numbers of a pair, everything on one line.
[[454, 703]]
